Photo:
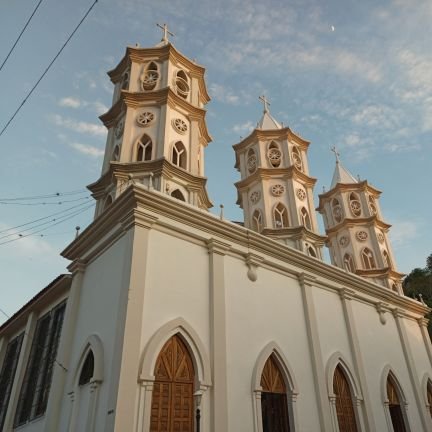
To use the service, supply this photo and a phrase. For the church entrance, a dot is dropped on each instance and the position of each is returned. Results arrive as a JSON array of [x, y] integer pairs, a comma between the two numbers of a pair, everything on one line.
[[172, 400], [344, 403], [274, 405], [396, 414]]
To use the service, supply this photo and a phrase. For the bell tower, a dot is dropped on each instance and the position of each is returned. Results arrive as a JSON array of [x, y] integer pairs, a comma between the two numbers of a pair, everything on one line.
[[275, 190], [157, 131], [357, 235]]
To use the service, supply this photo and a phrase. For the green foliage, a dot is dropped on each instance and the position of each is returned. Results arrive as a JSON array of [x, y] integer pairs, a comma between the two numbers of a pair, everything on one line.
[[419, 283]]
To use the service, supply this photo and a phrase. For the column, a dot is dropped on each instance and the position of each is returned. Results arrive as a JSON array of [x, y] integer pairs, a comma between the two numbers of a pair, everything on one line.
[[423, 322], [219, 418], [315, 352]]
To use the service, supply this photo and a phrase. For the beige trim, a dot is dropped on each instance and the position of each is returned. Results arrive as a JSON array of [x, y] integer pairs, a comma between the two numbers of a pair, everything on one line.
[[423, 322]]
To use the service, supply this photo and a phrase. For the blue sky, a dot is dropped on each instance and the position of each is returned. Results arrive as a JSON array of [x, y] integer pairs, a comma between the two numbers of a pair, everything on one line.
[[364, 85]]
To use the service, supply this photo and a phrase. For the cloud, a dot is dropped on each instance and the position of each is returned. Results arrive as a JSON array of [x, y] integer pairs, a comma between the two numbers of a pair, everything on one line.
[[78, 126], [223, 94], [403, 232], [74, 102], [87, 150], [352, 140], [243, 127], [99, 107], [70, 102]]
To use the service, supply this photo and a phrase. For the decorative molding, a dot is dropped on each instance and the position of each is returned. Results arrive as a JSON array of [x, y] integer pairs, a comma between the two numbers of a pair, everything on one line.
[[252, 262], [382, 308]]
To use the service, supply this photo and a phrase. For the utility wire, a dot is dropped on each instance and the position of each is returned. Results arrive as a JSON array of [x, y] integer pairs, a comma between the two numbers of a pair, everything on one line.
[[43, 218], [44, 202], [54, 195], [19, 37], [47, 69]]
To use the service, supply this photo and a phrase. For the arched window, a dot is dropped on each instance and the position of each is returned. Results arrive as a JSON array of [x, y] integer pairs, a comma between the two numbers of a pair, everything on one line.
[[336, 210], [297, 159], [394, 287], [116, 153], [354, 204], [394, 406], [144, 149], [108, 201], [179, 155], [344, 402], [251, 160], [386, 257], [372, 205], [429, 396], [257, 222], [280, 216], [305, 219], [274, 404], [172, 400], [274, 155], [181, 84], [349, 263], [368, 259], [150, 76], [311, 252], [178, 195], [125, 81], [87, 369]]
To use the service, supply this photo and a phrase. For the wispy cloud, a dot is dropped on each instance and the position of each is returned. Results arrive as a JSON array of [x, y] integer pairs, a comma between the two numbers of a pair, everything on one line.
[[223, 94], [70, 102], [245, 127], [78, 126], [87, 150], [74, 102], [403, 232]]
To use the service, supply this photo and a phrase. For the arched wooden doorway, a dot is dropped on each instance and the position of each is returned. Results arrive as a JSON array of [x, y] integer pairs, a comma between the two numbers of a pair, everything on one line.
[[395, 408], [344, 403], [172, 400], [429, 395], [274, 405]]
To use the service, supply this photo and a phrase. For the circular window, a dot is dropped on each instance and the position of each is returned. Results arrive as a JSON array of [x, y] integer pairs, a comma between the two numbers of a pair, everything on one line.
[[182, 87], [118, 131], [362, 235], [277, 189], [274, 156], [355, 207], [252, 163], [297, 161], [344, 240], [255, 197], [149, 79], [180, 126], [301, 194], [145, 118]]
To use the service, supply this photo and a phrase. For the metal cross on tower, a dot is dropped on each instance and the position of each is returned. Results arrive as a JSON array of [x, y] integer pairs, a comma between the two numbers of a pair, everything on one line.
[[166, 32], [337, 154], [265, 101]]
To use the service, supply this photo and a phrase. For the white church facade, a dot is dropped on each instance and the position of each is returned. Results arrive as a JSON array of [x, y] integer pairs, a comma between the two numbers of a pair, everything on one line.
[[173, 319]]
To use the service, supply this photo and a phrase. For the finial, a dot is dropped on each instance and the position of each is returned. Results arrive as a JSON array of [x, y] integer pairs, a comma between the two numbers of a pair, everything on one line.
[[358, 177], [166, 32], [324, 189], [221, 212], [337, 154], [266, 103], [77, 229]]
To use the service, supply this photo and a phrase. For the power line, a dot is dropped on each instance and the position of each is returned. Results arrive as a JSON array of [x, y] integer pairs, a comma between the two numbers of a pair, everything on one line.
[[47, 69], [53, 195], [44, 202], [43, 218], [19, 37]]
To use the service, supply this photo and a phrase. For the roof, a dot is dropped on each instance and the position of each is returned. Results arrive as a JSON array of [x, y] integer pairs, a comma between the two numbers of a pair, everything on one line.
[[342, 175], [267, 122]]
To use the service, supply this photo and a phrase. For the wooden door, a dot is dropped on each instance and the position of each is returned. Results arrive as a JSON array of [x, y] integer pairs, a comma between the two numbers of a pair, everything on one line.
[[274, 405], [429, 396], [395, 407], [172, 400], [344, 403]]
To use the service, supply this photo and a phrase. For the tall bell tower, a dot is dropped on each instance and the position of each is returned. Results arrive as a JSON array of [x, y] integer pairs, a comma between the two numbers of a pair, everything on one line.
[[357, 235], [156, 125], [275, 190]]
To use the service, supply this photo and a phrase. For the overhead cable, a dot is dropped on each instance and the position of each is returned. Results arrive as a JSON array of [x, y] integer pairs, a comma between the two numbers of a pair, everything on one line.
[[53, 195]]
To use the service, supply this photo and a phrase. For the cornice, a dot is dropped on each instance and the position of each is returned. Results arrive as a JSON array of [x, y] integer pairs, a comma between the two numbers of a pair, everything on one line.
[[298, 232], [357, 222], [270, 173], [275, 255], [380, 272], [110, 118]]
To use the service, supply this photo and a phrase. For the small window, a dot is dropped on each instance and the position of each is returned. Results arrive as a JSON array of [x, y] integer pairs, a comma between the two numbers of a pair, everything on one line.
[[108, 201], [280, 215], [274, 155], [354, 204], [251, 160], [297, 159], [368, 259], [116, 154], [311, 252], [372, 205], [394, 287], [336, 210], [349, 263], [179, 155], [87, 370], [178, 195], [150, 77], [125, 81], [429, 396], [305, 219], [386, 258], [181, 84], [144, 149], [257, 221]]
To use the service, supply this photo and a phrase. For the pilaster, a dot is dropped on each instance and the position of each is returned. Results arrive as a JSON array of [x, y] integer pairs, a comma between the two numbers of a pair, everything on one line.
[[423, 322]]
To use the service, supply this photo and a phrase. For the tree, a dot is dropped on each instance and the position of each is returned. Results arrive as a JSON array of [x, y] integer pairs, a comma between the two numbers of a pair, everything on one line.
[[419, 283]]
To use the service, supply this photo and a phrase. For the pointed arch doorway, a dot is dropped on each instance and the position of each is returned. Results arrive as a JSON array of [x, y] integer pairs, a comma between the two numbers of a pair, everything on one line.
[[172, 400]]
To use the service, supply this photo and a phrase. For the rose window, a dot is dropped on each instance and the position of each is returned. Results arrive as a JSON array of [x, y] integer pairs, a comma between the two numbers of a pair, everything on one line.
[[149, 79], [277, 190], [344, 240], [145, 118], [252, 163], [355, 207], [297, 161], [180, 126], [362, 235], [274, 156], [380, 237], [118, 131], [337, 213], [301, 194], [254, 197]]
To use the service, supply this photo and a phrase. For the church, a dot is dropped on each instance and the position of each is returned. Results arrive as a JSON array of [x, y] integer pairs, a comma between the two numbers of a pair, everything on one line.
[[173, 319]]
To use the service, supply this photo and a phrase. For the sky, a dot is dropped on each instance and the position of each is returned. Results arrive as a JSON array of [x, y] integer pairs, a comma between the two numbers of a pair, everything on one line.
[[357, 75]]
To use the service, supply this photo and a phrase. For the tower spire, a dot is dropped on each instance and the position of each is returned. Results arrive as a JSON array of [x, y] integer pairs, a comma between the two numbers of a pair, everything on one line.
[[265, 102], [336, 153]]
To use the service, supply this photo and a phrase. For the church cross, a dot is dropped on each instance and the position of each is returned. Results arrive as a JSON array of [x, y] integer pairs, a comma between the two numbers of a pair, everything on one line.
[[265, 101], [166, 32], [337, 154]]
